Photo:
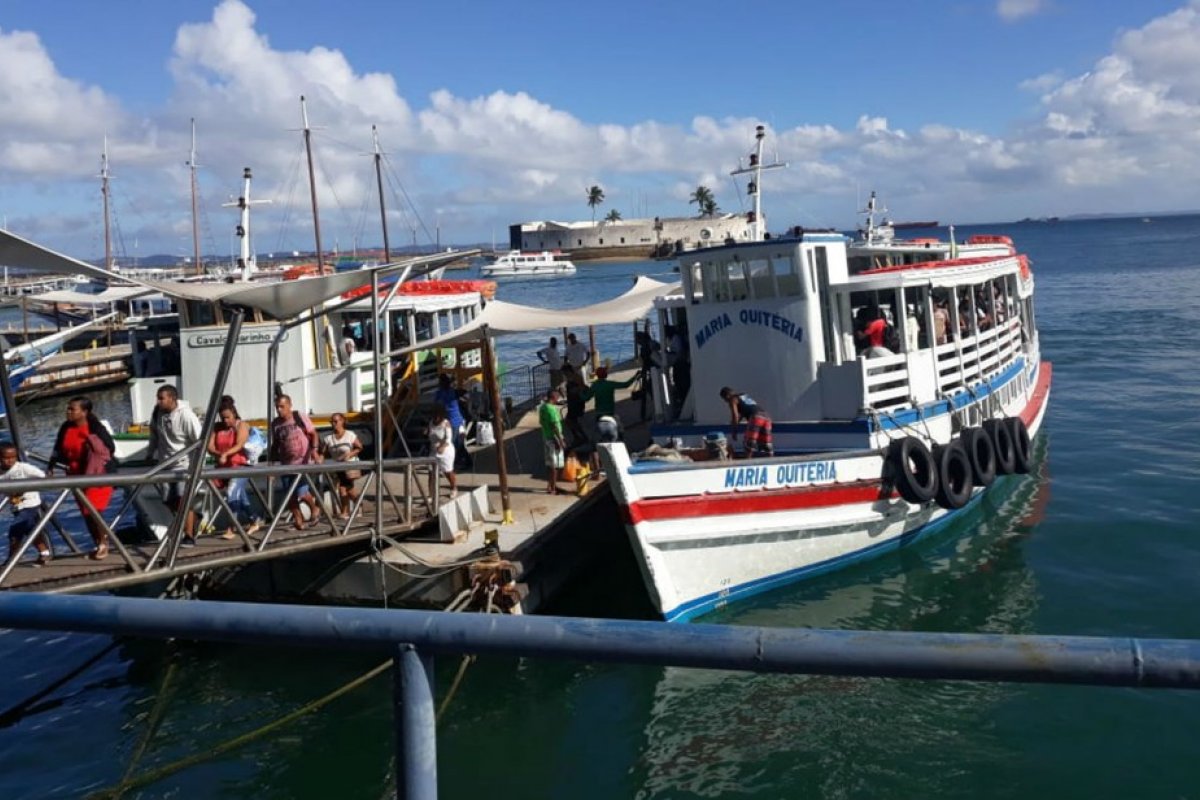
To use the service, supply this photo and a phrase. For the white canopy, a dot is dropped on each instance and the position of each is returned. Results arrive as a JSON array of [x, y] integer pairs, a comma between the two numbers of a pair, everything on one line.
[[501, 319], [280, 299], [113, 294]]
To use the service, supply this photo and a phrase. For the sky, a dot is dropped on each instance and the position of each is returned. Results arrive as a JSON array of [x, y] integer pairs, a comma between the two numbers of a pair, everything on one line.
[[964, 111]]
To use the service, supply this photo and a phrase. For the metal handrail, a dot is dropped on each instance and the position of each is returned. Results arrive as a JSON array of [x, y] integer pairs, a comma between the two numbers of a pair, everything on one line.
[[414, 637]]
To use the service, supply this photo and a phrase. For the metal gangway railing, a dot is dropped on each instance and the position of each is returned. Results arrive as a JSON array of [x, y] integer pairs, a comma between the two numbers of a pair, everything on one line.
[[414, 505], [414, 638]]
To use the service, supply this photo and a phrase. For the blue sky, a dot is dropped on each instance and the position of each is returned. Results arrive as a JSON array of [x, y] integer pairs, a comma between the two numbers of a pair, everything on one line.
[[495, 113]]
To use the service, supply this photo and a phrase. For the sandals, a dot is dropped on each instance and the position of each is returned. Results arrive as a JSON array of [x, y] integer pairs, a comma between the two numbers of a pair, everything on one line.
[[228, 534], [100, 553]]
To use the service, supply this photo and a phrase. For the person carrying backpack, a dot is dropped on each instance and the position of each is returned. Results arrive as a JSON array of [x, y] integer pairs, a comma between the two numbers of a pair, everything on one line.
[[294, 442]]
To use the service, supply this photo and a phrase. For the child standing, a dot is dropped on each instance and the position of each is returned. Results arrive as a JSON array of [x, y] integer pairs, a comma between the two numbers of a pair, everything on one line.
[[25, 506]]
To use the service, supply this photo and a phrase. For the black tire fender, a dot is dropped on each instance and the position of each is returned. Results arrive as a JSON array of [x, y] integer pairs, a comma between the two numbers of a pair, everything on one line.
[[1002, 443], [954, 475], [981, 454], [913, 470], [1022, 446]]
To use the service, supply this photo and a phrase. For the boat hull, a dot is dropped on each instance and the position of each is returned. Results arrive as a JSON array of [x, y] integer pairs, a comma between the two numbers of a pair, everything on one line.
[[711, 533]]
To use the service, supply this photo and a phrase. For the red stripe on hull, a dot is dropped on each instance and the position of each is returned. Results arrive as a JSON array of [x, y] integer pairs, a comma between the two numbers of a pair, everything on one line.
[[710, 505], [1034, 406]]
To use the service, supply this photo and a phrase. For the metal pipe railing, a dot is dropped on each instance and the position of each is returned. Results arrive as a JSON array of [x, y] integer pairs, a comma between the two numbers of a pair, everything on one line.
[[414, 637]]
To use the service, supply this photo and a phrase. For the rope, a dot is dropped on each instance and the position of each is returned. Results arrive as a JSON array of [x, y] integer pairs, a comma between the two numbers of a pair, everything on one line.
[[458, 677], [152, 723], [157, 774]]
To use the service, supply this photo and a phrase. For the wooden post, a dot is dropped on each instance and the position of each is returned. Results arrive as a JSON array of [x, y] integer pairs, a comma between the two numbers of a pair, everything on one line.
[[493, 386], [592, 347], [25, 316]]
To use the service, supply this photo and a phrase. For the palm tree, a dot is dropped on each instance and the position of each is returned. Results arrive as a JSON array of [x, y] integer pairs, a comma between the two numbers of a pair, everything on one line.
[[709, 208], [613, 216], [703, 198], [595, 196]]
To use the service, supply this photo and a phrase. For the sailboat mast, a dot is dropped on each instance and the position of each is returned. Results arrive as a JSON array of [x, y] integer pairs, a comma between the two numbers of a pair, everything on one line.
[[104, 194], [757, 226], [312, 185], [387, 256], [195, 214]]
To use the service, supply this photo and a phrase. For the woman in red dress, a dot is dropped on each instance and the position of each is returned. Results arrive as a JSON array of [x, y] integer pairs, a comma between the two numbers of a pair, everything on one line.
[[84, 447]]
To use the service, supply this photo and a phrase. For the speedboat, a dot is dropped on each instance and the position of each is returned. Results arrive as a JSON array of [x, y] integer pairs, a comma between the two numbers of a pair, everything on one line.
[[516, 264], [872, 447]]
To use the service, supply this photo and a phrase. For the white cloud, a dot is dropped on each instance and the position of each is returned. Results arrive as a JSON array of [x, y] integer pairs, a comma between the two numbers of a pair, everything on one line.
[[1012, 10]]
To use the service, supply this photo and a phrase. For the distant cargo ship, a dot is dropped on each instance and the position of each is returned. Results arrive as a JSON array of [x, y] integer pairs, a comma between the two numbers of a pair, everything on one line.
[[903, 225]]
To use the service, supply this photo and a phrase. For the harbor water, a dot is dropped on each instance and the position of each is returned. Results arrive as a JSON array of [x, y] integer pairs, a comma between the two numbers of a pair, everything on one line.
[[1101, 539]]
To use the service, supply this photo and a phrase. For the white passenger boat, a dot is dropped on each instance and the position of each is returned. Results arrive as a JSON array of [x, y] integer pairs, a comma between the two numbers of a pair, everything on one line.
[[516, 264], [872, 447]]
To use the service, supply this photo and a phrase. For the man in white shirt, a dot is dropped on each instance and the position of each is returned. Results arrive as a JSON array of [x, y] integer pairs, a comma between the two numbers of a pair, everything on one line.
[[554, 360], [174, 426], [577, 355], [25, 507]]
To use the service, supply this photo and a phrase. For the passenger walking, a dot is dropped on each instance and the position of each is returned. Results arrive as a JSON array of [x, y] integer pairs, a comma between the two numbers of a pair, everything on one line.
[[447, 395], [24, 506], [554, 360], [343, 445], [84, 447], [553, 446], [227, 445], [758, 424], [441, 444], [173, 428], [294, 442]]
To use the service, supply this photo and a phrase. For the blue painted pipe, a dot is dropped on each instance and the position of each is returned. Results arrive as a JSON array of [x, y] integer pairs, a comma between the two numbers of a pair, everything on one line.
[[416, 733], [1160, 663]]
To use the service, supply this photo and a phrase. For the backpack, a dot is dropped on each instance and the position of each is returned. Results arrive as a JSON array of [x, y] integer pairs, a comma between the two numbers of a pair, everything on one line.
[[292, 446]]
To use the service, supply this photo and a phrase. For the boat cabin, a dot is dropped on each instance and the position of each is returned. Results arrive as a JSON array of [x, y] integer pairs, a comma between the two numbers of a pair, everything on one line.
[[326, 365], [782, 320]]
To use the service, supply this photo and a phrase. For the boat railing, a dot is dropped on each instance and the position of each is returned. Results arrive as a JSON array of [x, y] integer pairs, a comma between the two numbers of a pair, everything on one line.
[[412, 639], [886, 380], [408, 504], [973, 358]]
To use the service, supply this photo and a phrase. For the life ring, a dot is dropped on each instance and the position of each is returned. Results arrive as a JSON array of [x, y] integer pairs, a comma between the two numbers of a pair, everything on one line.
[[912, 470], [1002, 443], [1022, 446], [981, 454], [954, 475]]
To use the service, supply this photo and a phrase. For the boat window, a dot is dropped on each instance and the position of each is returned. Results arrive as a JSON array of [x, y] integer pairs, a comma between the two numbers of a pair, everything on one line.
[[827, 309], [198, 312]]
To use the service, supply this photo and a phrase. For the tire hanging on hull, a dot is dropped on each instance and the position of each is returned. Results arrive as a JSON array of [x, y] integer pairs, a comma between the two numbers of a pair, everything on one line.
[[913, 470], [1022, 446], [982, 455], [954, 475]]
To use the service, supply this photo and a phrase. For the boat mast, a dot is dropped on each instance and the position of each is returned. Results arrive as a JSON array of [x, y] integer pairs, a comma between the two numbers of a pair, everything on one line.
[[873, 233], [108, 262], [758, 226], [312, 186], [195, 215], [246, 260], [387, 257]]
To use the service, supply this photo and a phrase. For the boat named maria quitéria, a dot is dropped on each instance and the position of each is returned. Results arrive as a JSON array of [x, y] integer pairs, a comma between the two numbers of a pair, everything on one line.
[[900, 386]]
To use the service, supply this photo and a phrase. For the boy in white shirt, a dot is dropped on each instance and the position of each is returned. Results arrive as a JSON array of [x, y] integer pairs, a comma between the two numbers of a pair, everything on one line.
[[25, 507]]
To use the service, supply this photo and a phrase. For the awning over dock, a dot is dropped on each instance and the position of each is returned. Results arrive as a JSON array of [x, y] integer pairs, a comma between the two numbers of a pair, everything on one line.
[[502, 319], [113, 294]]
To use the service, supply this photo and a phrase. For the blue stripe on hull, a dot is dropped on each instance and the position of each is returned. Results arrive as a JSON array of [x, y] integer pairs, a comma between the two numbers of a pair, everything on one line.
[[710, 602]]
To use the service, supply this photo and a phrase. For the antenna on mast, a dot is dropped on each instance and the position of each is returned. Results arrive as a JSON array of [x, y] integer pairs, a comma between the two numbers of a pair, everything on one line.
[[246, 259], [758, 227]]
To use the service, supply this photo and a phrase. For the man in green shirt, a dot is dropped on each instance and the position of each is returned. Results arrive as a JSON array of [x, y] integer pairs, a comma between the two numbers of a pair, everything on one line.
[[553, 446], [605, 392]]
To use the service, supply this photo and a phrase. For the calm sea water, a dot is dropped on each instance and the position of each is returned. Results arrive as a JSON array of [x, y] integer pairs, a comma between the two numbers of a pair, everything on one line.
[[1101, 540]]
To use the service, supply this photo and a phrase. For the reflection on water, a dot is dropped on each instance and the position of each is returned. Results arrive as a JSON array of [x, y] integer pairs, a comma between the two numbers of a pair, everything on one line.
[[711, 734]]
